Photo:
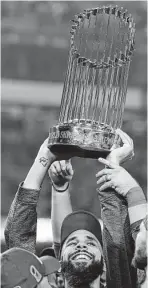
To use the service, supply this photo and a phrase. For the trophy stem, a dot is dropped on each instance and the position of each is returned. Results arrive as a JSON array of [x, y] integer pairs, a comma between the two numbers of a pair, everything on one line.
[[115, 90], [101, 117], [68, 90], [126, 69], [109, 98], [81, 95], [78, 92], [64, 94], [86, 100], [83, 105], [90, 95], [97, 98], [69, 108], [117, 98]]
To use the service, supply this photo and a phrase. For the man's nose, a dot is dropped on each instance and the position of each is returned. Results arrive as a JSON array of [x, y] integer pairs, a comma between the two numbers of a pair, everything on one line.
[[81, 245]]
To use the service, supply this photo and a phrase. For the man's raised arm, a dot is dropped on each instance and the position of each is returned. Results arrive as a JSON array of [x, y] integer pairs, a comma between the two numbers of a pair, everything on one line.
[[117, 239], [21, 224], [20, 230], [126, 186], [61, 174]]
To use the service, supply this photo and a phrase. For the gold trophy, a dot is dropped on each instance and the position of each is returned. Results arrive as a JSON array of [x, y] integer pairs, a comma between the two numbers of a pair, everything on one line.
[[95, 86]]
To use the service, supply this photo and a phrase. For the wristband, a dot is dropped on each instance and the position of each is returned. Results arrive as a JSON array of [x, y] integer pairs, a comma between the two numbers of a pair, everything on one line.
[[59, 190]]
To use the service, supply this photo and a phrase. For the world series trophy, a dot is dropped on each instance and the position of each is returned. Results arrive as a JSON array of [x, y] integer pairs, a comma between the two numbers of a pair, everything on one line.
[[95, 86]]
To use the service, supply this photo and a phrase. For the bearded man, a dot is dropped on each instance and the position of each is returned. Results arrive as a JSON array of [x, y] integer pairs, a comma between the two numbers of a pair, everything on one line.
[[81, 254], [117, 246]]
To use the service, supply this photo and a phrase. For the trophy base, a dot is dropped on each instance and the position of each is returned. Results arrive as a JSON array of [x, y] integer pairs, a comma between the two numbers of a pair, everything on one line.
[[77, 151], [81, 138]]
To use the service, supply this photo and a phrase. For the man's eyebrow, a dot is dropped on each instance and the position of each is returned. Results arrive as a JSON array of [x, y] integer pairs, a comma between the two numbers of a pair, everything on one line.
[[91, 238], [71, 239]]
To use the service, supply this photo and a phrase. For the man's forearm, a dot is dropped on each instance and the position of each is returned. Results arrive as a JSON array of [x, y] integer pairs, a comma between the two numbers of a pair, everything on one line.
[[117, 240], [61, 207], [21, 224], [137, 208], [37, 173]]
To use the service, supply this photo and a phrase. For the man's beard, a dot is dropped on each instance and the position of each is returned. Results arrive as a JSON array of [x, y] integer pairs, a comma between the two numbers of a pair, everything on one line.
[[81, 274], [140, 257]]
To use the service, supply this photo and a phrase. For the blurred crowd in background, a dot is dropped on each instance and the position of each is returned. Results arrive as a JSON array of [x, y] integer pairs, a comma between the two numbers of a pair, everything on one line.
[[35, 43]]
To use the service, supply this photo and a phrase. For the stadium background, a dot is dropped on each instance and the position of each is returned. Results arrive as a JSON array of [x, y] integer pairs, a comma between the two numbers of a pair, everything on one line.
[[35, 42]]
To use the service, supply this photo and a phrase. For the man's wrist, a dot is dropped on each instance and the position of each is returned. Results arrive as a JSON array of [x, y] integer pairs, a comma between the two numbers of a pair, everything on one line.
[[43, 161], [113, 160], [60, 188], [135, 195], [31, 185]]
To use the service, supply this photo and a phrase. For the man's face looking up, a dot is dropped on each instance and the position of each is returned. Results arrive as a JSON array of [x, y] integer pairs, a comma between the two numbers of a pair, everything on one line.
[[81, 258]]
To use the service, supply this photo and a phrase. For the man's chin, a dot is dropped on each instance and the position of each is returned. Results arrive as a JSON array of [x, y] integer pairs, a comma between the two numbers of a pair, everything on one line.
[[80, 272], [81, 262]]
